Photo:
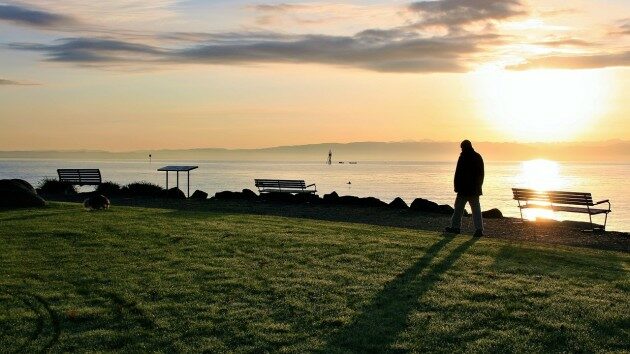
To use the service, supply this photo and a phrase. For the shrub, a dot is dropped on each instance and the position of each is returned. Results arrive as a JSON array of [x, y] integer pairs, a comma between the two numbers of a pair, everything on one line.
[[53, 186], [142, 189], [108, 188]]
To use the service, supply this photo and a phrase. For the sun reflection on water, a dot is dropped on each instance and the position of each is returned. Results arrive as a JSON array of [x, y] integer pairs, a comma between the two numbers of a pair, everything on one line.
[[542, 175]]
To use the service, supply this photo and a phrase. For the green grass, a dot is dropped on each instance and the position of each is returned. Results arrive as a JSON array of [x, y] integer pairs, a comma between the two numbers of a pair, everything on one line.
[[139, 279]]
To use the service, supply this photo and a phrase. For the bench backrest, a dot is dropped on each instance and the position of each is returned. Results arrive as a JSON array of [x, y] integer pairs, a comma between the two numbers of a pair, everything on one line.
[[280, 183], [554, 197], [84, 176]]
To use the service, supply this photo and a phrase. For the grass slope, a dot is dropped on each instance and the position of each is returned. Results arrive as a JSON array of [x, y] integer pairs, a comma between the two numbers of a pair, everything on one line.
[[164, 280]]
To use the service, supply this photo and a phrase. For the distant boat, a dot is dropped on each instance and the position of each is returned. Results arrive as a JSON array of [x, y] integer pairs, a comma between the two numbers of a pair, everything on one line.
[[341, 162], [352, 162]]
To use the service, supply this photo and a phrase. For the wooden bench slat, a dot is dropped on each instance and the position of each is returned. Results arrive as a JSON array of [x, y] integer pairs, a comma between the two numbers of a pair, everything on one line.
[[80, 176], [282, 185], [568, 202]]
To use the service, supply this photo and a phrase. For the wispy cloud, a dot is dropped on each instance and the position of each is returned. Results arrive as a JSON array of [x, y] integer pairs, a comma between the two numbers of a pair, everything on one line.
[[575, 62], [28, 16], [6, 82], [391, 52]]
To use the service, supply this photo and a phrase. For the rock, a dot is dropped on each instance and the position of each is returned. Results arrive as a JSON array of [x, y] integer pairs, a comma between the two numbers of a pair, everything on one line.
[[227, 195], [445, 209], [24, 185], [278, 197], [348, 200], [420, 204], [371, 202], [307, 198], [200, 195], [493, 213], [18, 194], [356, 201], [174, 193], [331, 198], [398, 203], [249, 194], [96, 202]]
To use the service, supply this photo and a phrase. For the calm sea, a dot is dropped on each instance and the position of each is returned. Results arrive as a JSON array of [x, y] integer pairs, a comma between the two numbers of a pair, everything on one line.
[[384, 180]]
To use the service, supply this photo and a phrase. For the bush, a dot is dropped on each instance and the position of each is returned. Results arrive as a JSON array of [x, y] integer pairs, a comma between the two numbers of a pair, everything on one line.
[[53, 186], [142, 189], [108, 188]]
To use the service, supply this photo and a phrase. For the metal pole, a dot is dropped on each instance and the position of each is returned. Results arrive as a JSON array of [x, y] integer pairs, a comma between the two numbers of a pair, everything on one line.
[[188, 184], [177, 179], [167, 180]]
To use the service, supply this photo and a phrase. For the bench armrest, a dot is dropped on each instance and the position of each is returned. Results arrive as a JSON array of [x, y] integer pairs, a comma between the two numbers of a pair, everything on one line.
[[311, 185], [602, 202]]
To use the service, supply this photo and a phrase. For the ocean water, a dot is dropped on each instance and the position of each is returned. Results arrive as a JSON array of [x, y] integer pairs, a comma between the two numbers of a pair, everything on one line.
[[384, 180]]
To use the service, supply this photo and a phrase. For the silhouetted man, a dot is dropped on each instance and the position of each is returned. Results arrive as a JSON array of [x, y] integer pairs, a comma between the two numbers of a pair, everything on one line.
[[468, 181]]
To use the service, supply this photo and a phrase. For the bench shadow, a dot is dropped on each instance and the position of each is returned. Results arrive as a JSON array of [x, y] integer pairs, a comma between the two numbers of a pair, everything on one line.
[[380, 323]]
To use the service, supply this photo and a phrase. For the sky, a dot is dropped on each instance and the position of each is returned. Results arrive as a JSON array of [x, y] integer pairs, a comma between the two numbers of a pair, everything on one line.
[[152, 74]]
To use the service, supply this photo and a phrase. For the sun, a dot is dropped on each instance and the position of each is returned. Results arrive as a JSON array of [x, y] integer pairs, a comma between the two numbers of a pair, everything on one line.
[[542, 105]]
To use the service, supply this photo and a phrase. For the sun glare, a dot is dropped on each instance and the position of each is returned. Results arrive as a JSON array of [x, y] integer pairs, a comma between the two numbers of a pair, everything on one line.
[[542, 105], [541, 175]]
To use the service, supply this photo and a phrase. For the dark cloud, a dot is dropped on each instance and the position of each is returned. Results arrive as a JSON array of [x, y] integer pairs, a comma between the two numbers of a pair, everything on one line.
[[33, 17], [456, 13], [386, 51], [575, 62]]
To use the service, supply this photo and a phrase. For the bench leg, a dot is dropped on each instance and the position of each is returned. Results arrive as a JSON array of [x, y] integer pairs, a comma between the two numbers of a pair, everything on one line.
[[605, 221]]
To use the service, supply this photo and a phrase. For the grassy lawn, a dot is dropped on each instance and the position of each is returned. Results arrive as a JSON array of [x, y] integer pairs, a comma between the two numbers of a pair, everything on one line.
[[164, 280]]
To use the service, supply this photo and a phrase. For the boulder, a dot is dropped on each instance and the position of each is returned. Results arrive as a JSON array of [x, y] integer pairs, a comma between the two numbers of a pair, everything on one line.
[[24, 185], [420, 204], [398, 203], [278, 197], [174, 193], [228, 195], [200, 195], [249, 194], [493, 213], [371, 202], [331, 198], [307, 198], [18, 193], [96, 202], [446, 209]]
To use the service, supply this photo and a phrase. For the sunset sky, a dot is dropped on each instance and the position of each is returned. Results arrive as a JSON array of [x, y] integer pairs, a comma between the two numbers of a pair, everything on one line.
[[144, 74]]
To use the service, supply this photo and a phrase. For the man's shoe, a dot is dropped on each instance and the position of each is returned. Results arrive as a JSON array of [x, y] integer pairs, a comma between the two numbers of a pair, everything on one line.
[[478, 233], [452, 230]]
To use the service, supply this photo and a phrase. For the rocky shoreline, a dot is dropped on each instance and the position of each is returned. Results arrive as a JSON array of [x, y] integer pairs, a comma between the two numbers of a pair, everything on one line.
[[421, 214]]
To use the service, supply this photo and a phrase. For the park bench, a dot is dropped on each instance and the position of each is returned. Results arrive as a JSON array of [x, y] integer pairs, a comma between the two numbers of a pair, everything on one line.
[[572, 202], [80, 176], [284, 186]]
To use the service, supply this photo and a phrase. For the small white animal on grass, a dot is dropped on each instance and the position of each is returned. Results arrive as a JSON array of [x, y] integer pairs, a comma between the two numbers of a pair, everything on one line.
[[96, 202]]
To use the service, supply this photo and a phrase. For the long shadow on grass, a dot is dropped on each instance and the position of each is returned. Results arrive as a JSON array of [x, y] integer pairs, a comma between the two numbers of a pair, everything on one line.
[[377, 327]]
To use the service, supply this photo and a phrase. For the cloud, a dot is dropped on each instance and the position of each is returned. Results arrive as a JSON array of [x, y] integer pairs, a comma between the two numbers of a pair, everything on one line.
[[624, 27], [566, 42], [5, 82], [33, 17], [454, 14], [575, 62], [384, 51]]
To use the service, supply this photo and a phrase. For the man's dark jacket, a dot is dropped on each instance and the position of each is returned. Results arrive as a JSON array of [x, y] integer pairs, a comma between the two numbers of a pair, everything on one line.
[[469, 173]]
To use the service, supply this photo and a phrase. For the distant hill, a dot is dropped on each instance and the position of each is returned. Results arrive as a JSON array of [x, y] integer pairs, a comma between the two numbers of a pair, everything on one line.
[[364, 151]]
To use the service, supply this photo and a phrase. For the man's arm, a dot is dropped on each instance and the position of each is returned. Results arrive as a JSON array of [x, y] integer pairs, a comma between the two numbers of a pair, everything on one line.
[[458, 173]]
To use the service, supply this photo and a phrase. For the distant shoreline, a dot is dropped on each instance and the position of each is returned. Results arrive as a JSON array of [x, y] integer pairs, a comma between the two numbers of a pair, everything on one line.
[[612, 151]]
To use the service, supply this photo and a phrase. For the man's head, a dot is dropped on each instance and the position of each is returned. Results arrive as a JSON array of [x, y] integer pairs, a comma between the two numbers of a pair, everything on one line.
[[466, 145]]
